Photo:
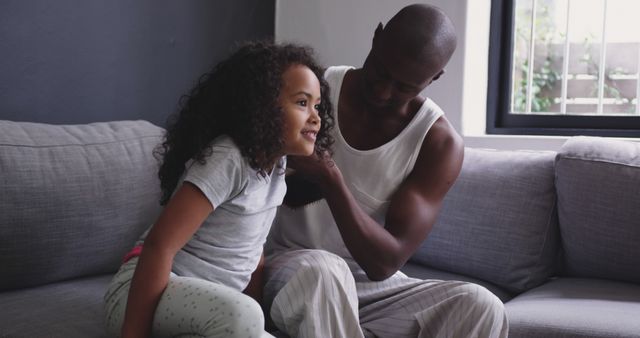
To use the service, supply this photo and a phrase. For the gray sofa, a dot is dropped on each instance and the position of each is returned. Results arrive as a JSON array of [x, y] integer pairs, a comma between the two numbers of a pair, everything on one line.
[[554, 235], [73, 199]]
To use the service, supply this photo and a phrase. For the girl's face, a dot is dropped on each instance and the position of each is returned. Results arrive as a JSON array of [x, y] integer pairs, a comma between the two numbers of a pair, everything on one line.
[[299, 99]]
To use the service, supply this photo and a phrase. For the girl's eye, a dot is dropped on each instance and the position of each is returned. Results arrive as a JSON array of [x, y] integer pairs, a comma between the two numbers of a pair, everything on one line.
[[302, 103], [317, 107]]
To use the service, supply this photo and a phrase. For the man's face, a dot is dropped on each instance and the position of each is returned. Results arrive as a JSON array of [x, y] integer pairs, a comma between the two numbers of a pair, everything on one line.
[[392, 79]]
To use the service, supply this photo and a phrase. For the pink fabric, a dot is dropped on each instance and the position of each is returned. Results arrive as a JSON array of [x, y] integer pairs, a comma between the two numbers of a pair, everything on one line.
[[135, 252]]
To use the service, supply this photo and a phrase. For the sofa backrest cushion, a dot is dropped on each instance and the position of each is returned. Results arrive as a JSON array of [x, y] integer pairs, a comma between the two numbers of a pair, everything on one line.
[[498, 222], [74, 198], [598, 184]]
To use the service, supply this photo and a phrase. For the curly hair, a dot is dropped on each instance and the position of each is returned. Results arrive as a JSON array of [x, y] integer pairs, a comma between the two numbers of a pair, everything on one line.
[[239, 98]]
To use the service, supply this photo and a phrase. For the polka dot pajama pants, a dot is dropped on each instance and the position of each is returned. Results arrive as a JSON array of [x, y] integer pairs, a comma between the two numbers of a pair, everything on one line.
[[189, 307]]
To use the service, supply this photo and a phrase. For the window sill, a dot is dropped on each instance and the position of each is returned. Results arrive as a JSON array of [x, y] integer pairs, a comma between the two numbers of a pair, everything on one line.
[[515, 142], [522, 142]]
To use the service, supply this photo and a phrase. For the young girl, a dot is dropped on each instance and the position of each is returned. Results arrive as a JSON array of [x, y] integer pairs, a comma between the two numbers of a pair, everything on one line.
[[222, 177]]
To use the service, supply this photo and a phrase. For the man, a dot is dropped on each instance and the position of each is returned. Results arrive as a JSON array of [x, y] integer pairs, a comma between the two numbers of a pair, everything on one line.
[[332, 265]]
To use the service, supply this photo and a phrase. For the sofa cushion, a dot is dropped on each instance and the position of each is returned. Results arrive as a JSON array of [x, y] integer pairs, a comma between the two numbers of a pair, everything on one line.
[[498, 222], [74, 197], [598, 184], [573, 307], [71, 309]]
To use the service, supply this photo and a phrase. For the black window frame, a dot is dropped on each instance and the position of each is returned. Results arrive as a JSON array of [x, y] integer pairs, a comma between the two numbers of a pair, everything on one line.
[[499, 121]]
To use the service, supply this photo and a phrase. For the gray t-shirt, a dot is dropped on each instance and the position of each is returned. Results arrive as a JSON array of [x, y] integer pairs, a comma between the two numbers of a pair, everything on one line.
[[226, 248]]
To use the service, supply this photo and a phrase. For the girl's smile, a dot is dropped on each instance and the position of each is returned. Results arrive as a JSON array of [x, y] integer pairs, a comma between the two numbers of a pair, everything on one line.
[[310, 134]]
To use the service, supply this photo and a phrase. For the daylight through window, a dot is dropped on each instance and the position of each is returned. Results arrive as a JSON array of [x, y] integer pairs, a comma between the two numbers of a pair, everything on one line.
[[564, 67], [560, 65]]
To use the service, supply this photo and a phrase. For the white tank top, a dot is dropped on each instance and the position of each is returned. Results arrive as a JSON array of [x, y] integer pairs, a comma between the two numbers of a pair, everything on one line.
[[372, 176]]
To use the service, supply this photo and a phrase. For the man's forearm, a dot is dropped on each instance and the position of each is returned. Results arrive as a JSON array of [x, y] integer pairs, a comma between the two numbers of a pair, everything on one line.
[[370, 244]]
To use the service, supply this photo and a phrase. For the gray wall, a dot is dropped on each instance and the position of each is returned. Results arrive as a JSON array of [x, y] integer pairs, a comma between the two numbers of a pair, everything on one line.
[[81, 61]]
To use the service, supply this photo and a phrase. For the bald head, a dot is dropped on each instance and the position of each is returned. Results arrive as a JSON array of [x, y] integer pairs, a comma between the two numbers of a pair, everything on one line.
[[423, 32]]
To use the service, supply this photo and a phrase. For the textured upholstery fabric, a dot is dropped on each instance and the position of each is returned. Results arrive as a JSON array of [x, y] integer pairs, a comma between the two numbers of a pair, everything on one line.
[[59, 310], [574, 307], [498, 222], [598, 184], [74, 197]]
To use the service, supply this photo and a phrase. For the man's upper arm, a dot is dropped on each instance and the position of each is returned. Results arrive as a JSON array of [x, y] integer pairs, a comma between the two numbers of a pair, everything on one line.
[[415, 205]]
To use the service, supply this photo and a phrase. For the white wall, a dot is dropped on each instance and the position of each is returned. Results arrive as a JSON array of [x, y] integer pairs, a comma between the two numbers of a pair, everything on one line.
[[341, 31]]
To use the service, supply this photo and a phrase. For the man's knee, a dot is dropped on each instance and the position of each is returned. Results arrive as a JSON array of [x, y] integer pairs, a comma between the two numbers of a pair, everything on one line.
[[319, 286], [323, 265], [464, 309], [311, 269], [484, 298], [489, 312], [485, 304], [311, 263], [462, 297]]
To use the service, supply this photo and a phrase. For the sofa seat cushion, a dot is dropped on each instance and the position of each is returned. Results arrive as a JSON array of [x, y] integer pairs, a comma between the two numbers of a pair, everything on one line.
[[70, 309], [423, 272], [598, 186], [498, 222], [74, 197], [576, 307]]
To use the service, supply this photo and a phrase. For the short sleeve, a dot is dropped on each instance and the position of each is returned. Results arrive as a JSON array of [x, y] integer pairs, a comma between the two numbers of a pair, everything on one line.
[[221, 177]]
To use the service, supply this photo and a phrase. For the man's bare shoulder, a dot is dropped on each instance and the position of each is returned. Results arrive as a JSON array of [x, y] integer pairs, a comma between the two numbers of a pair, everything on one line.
[[441, 154], [442, 137]]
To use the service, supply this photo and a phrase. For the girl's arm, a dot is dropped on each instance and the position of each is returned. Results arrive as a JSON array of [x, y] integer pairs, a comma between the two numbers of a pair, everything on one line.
[[179, 220]]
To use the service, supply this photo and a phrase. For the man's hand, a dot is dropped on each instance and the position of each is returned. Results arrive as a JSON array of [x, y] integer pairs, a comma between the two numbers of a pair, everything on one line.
[[308, 173], [314, 168]]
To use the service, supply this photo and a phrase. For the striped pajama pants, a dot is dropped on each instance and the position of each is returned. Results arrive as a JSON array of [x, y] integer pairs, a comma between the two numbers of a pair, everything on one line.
[[314, 293]]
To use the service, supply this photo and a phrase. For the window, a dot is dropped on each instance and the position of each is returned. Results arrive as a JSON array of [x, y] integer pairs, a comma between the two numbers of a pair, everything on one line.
[[564, 67]]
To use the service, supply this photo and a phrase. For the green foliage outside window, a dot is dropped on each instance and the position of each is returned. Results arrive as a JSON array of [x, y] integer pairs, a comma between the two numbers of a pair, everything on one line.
[[545, 78]]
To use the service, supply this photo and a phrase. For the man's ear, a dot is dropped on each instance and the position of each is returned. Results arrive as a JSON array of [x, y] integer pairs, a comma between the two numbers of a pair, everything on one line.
[[438, 75], [378, 30]]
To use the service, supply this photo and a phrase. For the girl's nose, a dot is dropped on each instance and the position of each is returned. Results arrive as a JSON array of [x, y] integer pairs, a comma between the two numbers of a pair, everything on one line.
[[314, 117]]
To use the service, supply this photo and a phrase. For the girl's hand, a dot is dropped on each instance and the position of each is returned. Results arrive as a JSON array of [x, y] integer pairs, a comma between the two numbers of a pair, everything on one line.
[[179, 220]]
